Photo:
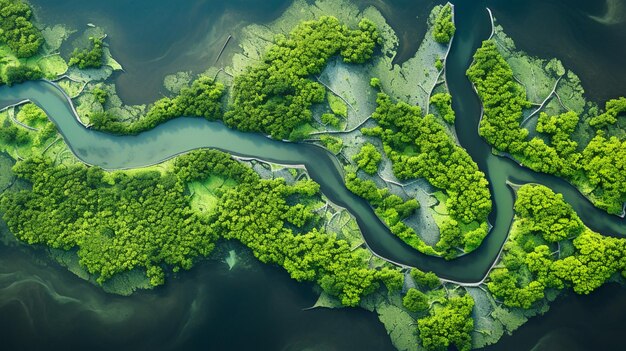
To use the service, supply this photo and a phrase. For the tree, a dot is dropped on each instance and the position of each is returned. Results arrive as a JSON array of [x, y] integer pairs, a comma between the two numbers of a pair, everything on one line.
[[448, 324], [415, 300], [368, 158]]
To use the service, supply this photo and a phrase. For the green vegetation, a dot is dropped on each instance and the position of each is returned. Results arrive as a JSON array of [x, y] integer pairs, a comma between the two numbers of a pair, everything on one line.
[[30, 114], [330, 119], [443, 102], [368, 158], [448, 324], [419, 147], [444, 28], [597, 167], [275, 96], [92, 57], [16, 29], [118, 222], [338, 106], [202, 99], [426, 280], [415, 300], [535, 258], [331, 143], [390, 208]]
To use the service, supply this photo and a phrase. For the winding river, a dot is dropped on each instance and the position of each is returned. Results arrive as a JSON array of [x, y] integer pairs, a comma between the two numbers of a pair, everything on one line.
[[184, 134]]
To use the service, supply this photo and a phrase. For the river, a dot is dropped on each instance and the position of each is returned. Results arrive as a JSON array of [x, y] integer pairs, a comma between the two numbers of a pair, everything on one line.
[[183, 134]]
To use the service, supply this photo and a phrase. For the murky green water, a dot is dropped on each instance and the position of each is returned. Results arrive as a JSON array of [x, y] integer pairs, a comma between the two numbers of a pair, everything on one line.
[[163, 28]]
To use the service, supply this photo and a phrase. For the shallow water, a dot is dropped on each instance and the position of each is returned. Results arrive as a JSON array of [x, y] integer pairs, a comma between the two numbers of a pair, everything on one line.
[[144, 53]]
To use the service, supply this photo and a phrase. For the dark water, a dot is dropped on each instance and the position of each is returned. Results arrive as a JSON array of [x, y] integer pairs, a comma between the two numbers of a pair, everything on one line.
[[473, 27]]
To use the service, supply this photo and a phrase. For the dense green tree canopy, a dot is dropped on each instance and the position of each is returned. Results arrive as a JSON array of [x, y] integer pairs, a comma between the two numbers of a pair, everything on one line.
[[420, 147], [599, 166], [92, 57], [444, 28], [534, 262], [17, 30], [449, 324], [202, 99], [275, 96]]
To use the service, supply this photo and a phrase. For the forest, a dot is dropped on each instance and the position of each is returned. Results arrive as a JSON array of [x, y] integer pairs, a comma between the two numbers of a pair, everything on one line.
[[202, 99], [550, 248], [17, 30], [92, 57], [597, 165], [118, 222], [275, 96], [419, 147]]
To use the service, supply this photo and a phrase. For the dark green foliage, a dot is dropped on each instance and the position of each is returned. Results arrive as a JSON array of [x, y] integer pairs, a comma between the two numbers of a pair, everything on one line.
[[20, 74], [443, 102], [368, 158], [275, 96], [444, 26], [415, 300], [11, 134], [419, 147], [92, 57], [449, 324], [202, 99], [532, 263], [16, 29]]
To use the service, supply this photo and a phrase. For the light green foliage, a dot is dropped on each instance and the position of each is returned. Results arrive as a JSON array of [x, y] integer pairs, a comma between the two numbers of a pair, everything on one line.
[[202, 99], [438, 64], [444, 28], [375, 83], [331, 143], [391, 209], [100, 94], [598, 167], [337, 105], [419, 147], [368, 158], [426, 280], [449, 324], [276, 95], [502, 98], [312, 256], [415, 300], [92, 57], [17, 30], [117, 222], [32, 115], [541, 211], [330, 119], [531, 266], [612, 109], [443, 102]]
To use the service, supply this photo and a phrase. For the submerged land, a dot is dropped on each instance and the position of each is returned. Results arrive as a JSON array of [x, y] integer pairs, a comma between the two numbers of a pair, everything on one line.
[[326, 77]]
